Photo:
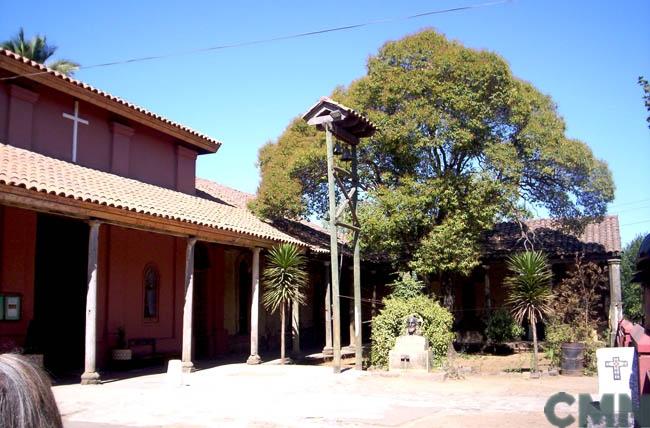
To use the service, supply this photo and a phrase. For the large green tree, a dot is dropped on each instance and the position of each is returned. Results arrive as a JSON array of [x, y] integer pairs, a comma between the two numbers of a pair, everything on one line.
[[37, 49], [461, 143], [632, 291]]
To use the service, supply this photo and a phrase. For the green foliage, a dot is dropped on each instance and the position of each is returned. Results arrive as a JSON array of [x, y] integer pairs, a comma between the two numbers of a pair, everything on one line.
[[406, 286], [556, 334], [632, 291], [284, 277], [646, 95], [461, 142], [37, 49], [501, 327], [284, 280], [529, 290], [390, 323]]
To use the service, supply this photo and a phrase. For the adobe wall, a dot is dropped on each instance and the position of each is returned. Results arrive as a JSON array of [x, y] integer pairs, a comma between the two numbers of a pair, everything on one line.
[[32, 118], [17, 254]]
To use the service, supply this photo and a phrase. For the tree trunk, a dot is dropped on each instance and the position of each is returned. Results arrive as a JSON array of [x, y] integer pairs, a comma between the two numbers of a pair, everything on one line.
[[282, 328], [533, 325]]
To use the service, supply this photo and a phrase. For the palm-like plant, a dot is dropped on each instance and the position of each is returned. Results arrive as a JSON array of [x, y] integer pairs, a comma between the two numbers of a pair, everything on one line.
[[37, 49], [529, 289], [284, 280]]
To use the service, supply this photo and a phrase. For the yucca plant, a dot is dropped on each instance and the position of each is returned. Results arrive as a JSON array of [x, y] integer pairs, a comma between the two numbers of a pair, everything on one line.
[[284, 280], [37, 49], [529, 291]]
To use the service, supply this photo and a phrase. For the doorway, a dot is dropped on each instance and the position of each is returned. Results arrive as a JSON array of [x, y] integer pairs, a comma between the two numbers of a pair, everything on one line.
[[60, 285]]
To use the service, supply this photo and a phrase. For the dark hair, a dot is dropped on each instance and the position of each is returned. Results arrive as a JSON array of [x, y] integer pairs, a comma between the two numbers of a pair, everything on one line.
[[26, 399]]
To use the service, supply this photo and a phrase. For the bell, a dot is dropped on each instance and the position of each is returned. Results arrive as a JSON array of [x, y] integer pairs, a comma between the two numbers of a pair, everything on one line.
[[347, 155], [337, 149]]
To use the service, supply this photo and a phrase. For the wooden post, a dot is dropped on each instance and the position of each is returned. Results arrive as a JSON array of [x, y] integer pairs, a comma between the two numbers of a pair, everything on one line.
[[254, 357], [90, 375], [358, 346], [336, 309], [616, 304], [327, 350], [295, 327], [486, 289], [188, 306]]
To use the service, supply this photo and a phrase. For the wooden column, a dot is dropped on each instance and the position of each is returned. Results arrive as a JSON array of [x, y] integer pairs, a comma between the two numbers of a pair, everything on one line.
[[90, 375], [356, 281], [254, 357], [616, 303], [486, 289], [336, 312], [188, 306], [295, 327], [327, 350]]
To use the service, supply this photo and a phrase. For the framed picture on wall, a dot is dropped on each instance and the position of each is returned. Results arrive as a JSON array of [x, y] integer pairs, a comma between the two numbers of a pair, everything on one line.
[[12, 308], [2, 307]]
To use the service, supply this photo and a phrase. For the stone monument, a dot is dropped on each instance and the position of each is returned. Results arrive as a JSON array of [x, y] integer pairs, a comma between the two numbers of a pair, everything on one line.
[[411, 351]]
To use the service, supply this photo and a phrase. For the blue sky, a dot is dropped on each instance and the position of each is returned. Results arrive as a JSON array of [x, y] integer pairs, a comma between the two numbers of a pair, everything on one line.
[[586, 54]]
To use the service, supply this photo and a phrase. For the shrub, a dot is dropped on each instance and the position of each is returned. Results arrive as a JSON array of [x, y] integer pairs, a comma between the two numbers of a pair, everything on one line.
[[390, 323], [558, 333], [501, 327], [406, 286]]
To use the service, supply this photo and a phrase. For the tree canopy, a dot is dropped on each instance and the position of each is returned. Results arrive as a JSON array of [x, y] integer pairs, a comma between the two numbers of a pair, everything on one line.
[[461, 143], [37, 49], [632, 291]]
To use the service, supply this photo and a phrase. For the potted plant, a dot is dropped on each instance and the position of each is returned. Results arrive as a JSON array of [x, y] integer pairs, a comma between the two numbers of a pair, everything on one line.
[[122, 351]]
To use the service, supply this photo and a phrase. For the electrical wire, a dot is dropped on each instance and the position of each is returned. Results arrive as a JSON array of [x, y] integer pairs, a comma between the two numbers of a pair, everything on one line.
[[276, 39]]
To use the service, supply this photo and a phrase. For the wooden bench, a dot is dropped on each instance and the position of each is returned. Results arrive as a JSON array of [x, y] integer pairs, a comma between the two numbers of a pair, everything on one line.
[[144, 348]]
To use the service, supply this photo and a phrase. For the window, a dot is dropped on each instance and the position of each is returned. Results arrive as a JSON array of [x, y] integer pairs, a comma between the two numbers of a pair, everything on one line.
[[151, 284]]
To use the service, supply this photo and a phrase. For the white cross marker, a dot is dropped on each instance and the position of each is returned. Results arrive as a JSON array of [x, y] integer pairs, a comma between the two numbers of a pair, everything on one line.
[[76, 121]]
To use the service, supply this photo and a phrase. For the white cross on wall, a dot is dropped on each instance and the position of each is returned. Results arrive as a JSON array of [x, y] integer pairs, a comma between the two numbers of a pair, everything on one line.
[[76, 120]]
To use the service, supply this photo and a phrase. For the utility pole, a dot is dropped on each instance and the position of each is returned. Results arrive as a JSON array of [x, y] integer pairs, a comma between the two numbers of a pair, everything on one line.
[[347, 126]]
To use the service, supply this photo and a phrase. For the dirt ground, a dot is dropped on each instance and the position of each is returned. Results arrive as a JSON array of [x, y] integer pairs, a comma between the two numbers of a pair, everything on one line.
[[270, 395]]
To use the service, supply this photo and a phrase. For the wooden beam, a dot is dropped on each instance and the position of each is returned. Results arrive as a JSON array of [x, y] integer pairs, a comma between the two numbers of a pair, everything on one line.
[[43, 202], [342, 134], [342, 170], [348, 226]]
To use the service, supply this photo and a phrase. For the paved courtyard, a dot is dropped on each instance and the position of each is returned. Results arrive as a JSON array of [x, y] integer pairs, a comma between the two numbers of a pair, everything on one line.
[[238, 395]]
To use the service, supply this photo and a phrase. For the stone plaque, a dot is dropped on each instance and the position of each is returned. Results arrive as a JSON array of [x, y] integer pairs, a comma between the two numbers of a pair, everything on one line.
[[615, 371]]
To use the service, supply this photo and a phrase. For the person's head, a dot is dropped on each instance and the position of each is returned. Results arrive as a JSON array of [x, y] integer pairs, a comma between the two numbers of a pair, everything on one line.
[[26, 399]]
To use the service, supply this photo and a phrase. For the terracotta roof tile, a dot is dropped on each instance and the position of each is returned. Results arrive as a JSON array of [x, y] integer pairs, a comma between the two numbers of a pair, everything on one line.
[[315, 236], [42, 69], [597, 238], [34, 171]]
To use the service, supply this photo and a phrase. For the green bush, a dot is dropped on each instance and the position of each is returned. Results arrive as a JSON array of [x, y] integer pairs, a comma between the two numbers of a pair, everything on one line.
[[501, 327], [390, 323], [556, 335], [406, 286], [559, 333]]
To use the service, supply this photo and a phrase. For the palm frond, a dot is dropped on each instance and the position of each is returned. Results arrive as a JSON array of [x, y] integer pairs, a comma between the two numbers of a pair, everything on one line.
[[284, 277], [529, 287], [37, 49]]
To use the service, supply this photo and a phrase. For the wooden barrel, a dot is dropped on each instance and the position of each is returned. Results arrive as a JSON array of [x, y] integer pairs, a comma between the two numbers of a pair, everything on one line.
[[573, 357]]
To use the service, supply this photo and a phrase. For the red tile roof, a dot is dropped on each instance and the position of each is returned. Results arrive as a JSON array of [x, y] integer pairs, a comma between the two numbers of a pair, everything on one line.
[[597, 238], [39, 173], [42, 69], [316, 237]]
